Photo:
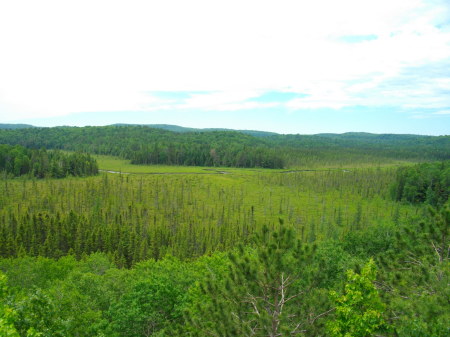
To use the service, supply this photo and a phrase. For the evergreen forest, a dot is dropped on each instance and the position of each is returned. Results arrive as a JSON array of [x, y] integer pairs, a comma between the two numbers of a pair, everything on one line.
[[17, 160], [131, 231]]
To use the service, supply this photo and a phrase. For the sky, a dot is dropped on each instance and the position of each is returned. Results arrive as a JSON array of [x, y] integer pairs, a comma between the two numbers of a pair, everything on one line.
[[285, 66]]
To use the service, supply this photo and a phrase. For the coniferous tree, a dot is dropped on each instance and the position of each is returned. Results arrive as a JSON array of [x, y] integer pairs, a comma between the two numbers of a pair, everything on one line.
[[264, 293]]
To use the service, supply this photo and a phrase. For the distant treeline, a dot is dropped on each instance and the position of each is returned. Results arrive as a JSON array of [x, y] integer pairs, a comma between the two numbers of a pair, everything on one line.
[[144, 145], [18, 160], [425, 183]]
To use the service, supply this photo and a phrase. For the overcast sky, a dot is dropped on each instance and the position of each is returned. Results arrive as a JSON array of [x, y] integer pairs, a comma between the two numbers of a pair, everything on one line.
[[285, 66]]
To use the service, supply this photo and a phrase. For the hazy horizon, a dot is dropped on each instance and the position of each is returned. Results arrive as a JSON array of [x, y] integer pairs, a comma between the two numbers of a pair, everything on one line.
[[219, 128]]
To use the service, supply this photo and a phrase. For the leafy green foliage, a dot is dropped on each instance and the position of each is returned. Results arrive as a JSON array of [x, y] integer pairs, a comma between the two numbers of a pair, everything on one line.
[[8, 316], [359, 310], [148, 308]]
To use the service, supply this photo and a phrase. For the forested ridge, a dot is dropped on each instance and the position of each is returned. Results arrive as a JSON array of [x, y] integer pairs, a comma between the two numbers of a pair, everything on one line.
[[15, 126], [145, 145]]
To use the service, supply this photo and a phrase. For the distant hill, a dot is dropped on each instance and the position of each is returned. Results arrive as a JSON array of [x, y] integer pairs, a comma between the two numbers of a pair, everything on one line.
[[371, 136], [175, 145], [15, 126], [176, 128], [360, 136], [347, 136]]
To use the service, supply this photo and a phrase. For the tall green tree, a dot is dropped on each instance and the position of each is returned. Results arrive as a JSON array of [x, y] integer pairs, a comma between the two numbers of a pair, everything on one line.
[[264, 292], [417, 276]]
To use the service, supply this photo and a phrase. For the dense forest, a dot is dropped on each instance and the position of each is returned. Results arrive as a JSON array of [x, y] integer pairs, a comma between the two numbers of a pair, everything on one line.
[[351, 240], [18, 160], [145, 145], [429, 182]]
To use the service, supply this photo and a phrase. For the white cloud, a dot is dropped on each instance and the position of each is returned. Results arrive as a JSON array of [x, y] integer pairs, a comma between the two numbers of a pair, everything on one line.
[[442, 112], [61, 57], [61, 102], [217, 100]]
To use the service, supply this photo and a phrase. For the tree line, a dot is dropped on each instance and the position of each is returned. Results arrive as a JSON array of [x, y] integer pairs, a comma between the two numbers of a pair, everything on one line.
[[425, 183], [145, 145], [18, 161]]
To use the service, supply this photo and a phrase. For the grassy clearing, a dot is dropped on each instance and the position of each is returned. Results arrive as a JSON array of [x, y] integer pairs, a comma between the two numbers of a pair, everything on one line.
[[115, 164], [110, 163]]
